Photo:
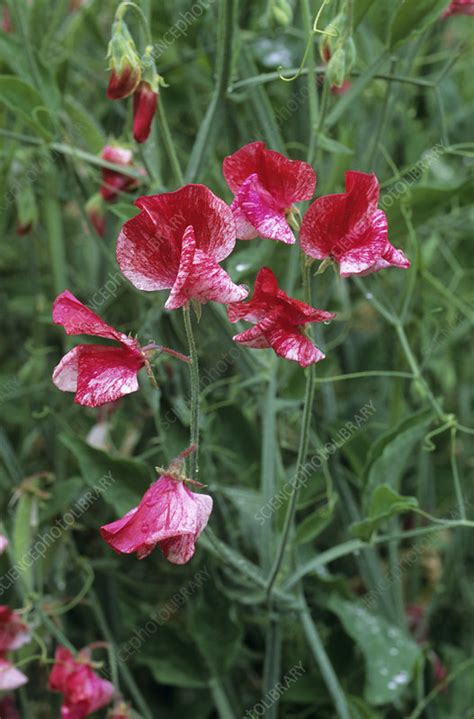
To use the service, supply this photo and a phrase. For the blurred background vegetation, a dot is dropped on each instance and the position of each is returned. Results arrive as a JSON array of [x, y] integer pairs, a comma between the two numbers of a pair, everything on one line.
[[408, 117]]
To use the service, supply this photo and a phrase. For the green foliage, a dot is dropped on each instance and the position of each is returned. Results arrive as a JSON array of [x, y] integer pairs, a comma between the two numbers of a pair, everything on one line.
[[363, 547]]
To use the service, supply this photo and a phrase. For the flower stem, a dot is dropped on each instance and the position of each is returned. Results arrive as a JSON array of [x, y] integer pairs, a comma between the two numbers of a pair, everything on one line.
[[302, 452], [194, 374]]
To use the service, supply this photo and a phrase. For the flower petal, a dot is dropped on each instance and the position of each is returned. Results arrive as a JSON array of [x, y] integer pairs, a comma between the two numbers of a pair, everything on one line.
[[188, 250], [105, 374], [77, 319], [368, 248], [253, 338], [291, 344], [257, 206], [335, 225], [207, 281], [149, 246], [65, 373], [287, 181], [10, 677], [168, 513]]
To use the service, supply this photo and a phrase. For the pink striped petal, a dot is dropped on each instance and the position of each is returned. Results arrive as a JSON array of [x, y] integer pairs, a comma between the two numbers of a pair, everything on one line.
[[105, 374], [10, 677], [77, 319], [257, 207], [169, 515]]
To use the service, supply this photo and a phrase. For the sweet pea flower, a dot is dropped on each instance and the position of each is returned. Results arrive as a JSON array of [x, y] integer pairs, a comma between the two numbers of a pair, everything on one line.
[[145, 100], [169, 515], [266, 185], [84, 691], [176, 242], [459, 7], [3, 543], [124, 62], [278, 321], [10, 677], [113, 181], [348, 229], [96, 373], [13, 632]]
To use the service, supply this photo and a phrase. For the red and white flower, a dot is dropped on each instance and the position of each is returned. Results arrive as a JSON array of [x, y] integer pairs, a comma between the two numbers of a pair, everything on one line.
[[176, 242], [266, 185], [84, 691], [96, 373], [113, 181], [278, 321], [349, 229], [169, 515]]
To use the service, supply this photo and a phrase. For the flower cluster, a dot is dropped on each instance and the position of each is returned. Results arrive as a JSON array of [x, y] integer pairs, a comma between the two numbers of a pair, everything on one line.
[[177, 242]]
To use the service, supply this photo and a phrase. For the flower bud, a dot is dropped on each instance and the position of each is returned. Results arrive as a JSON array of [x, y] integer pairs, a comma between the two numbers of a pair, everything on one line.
[[145, 98], [282, 13], [336, 70], [95, 210], [27, 210], [124, 63], [113, 181]]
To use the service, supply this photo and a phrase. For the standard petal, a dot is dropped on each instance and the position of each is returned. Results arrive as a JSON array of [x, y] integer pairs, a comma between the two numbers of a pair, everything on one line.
[[147, 253], [287, 181], [106, 374], [206, 282], [210, 217], [257, 205], [77, 319]]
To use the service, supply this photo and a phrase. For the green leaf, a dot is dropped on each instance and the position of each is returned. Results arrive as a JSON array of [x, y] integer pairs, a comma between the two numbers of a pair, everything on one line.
[[26, 103], [384, 504], [313, 525], [412, 18], [175, 660], [389, 456], [361, 8], [390, 656], [123, 210], [129, 478], [330, 145]]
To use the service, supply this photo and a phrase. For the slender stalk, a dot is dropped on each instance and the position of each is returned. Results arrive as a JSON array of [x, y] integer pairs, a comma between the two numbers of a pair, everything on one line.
[[195, 409], [169, 144], [267, 480], [225, 44], [457, 481], [220, 697], [302, 453], [312, 93], [329, 675]]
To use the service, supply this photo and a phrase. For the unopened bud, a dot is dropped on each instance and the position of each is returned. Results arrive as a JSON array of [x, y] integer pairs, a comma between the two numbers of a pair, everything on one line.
[[27, 210], [95, 209], [124, 63], [336, 71]]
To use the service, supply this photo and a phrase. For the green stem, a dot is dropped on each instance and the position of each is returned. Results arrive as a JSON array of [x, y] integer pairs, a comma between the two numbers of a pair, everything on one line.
[[327, 671], [457, 481], [225, 44], [107, 634], [267, 480], [312, 93], [194, 374], [54, 630], [302, 453], [169, 144], [221, 699]]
